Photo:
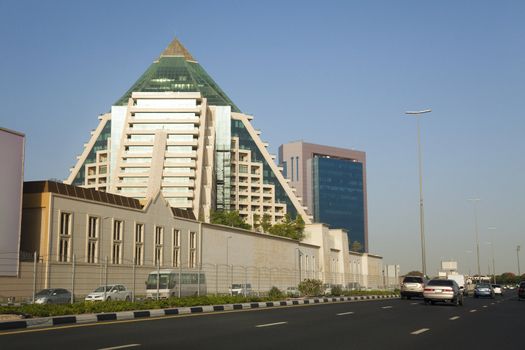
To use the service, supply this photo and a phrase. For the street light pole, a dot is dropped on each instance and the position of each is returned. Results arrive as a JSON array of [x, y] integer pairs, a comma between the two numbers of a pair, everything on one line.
[[518, 256], [475, 201], [417, 114], [227, 263], [493, 258]]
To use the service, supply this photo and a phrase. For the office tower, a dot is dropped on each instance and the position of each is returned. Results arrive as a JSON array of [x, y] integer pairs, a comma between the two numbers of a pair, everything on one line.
[[332, 184]]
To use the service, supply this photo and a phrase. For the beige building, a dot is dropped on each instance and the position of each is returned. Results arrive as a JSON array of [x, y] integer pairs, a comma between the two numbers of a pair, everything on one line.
[[84, 238]]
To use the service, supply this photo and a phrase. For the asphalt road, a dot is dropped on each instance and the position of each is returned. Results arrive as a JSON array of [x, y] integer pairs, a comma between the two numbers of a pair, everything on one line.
[[393, 324]]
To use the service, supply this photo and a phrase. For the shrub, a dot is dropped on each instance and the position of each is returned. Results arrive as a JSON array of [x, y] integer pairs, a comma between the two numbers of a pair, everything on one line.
[[337, 291], [275, 293], [311, 287]]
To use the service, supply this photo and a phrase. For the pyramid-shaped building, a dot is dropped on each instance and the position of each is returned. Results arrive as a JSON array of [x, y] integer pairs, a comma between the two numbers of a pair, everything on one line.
[[175, 130]]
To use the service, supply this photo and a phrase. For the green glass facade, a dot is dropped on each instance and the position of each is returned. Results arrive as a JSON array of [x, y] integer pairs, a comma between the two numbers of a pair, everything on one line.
[[179, 75], [246, 142], [100, 144]]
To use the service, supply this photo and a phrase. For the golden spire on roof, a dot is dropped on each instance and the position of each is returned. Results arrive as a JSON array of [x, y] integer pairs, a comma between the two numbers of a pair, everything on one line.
[[176, 49]]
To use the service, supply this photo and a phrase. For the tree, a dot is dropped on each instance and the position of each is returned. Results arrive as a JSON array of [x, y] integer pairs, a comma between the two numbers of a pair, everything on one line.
[[266, 222], [356, 246], [293, 229], [229, 218], [415, 273]]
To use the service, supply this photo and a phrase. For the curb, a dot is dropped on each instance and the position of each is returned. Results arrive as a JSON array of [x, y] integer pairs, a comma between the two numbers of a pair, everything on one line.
[[130, 315]]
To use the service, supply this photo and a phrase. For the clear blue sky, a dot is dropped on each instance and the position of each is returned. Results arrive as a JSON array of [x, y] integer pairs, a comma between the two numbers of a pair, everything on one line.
[[340, 73]]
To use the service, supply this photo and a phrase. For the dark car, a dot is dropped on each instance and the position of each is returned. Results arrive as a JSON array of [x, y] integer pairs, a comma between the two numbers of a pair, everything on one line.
[[484, 290], [521, 291], [53, 296]]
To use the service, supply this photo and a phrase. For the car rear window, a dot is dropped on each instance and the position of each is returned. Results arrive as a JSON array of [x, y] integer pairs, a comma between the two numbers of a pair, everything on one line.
[[412, 279], [441, 283]]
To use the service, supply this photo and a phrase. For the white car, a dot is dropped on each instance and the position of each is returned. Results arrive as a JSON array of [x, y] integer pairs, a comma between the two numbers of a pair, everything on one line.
[[110, 292], [497, 289], [241, 289]]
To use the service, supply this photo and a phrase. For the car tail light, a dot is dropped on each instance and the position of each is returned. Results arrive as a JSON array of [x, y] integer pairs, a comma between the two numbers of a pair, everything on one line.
[[428, 289]]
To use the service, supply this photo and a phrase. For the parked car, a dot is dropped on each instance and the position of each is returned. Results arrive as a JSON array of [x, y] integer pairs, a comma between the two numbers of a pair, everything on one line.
[[110, 292], [521, 291], [241, 289], [53, 296], [412, 286], [497, 289], [292, 292], [443, 290], [484, 290]]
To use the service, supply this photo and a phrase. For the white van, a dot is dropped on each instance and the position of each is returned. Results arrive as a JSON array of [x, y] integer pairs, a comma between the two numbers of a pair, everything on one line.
[[165, 283]]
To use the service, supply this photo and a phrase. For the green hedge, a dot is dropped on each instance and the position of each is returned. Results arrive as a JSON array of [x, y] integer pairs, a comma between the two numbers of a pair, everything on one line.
[[39, 310]]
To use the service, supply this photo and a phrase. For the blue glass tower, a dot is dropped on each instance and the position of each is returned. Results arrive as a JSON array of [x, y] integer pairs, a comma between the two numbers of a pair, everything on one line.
[[338, 197]]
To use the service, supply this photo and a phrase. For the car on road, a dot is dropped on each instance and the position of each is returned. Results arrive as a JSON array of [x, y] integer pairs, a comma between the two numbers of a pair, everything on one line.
[[521, 291], [412, 286], [443, 291], [292, 292], [241, 289], [110, 292], [53, 296], [484, 290], [498, 290]]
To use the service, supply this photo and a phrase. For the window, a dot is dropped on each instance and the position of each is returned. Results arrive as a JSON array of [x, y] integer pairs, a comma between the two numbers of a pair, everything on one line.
[[139, 244], [159, 233], [243, 169], [92, 240], [116, 252], [193, 250], [176, 248], [64, 237], [297, 169], [291, 164]]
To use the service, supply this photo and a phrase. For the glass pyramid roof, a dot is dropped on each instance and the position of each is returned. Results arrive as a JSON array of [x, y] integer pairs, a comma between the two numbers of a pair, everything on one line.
[[176, 70]]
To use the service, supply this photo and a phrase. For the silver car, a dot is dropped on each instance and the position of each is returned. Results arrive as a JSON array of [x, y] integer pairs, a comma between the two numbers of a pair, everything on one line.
[[53, 296], [412, 286], [443, 291]]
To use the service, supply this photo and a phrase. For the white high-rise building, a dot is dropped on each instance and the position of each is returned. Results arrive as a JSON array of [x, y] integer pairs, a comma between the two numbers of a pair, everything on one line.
[[177, 131]]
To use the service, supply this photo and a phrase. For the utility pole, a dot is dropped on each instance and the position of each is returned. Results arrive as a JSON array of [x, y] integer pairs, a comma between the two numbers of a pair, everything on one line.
[[518, 256]]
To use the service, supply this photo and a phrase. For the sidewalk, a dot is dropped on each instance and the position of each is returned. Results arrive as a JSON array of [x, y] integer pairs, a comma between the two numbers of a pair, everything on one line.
[[129, 315]]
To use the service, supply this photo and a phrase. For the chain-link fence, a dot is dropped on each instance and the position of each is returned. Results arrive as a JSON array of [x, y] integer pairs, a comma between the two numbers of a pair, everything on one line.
[[81, 278]]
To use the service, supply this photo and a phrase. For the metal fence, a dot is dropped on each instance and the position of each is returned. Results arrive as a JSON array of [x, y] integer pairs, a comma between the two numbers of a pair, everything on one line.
[[81, 278]]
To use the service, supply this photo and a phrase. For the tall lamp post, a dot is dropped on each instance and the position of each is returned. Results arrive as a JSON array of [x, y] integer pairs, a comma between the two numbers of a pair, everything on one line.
[[227, 262], [475, 201], [493, 258], [418, 114], [518, 256]]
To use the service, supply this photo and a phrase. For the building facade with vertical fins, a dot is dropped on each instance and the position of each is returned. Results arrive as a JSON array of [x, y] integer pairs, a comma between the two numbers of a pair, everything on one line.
[[175, 130], [332, 184]]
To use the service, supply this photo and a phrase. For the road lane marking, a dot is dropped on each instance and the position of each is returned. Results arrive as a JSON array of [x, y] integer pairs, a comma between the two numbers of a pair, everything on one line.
[[121, 347], [414, 303], [473, 310], [484, 305], [491, 303], [419, 331], [270, 324], [454, 318], [386, 307], [345, 313]]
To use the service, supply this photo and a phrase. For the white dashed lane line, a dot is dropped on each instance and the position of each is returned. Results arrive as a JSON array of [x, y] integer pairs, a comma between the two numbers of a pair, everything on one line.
[[414, 303], [121, 347], [473, 310], [270, 324], [484, 305], [419, 331], [345, 313], [386, 307], [454, 318]]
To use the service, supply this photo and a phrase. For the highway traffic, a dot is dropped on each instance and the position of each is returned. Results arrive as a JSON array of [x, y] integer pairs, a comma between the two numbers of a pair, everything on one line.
[[406, 324]]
